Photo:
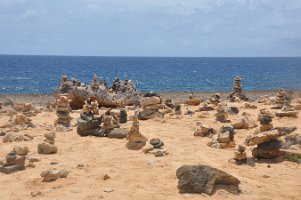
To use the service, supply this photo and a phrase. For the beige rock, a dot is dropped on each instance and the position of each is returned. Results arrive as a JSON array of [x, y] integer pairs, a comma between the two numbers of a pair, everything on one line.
[[21, 150], [262, 137], [146, 101], [54, 174]]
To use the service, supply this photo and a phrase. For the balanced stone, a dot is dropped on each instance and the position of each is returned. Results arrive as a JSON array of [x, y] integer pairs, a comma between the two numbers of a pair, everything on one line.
[[123, 116]]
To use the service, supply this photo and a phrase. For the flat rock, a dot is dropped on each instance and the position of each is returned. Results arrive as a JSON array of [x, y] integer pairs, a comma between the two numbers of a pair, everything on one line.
[[146, 101], [202, 179], [118, 133], [45, 148], [286, 113], [262, 137]]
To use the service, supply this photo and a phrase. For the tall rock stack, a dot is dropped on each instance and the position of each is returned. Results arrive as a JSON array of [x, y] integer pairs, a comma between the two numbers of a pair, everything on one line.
[[280, 98], [265, 118], [48, 147], [62, 112], [12, 163], [237, 93], [94, 83]]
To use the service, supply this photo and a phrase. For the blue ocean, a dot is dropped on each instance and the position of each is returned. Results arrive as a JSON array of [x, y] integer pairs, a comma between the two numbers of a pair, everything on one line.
[[41, 74]]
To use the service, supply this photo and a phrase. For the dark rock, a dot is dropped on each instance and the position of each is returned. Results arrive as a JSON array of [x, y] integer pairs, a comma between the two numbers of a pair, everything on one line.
[[202, 179], [151, 94], [2, 133], [264, 119], [123, 116], [232, 110], [156, 142], [149, 114]]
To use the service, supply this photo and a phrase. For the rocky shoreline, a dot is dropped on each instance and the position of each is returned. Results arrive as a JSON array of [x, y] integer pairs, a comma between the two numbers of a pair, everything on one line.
[[178, 97]]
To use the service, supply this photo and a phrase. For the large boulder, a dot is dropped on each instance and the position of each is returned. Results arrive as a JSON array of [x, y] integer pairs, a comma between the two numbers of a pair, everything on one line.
[[202, 179]]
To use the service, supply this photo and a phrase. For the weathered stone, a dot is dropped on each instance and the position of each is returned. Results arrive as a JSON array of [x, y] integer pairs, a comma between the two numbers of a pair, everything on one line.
[[193, 102], [135, 139], [224, 137], [149, 114], [123, 116], [45, 148], [35, 193], [12, 168], [286, 114], [202, 179], [21, 150], [240, 156], [54, 174], [248, 105], [204, 131], [262, 137], [156, 142], [146, 101], [10, 161], [232, 110], [118, 133]]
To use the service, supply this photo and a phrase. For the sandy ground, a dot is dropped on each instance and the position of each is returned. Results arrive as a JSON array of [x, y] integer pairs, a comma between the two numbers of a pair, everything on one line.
[[135, 175]]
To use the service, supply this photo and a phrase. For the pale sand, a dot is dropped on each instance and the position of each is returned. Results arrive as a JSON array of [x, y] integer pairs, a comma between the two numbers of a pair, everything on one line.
[[135, 175]]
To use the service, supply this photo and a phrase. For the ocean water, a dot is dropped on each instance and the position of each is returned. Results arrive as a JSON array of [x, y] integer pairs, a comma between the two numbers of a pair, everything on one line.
[[41, 74]]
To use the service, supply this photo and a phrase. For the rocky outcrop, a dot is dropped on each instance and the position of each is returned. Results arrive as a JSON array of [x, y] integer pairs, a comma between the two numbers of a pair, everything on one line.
[[122, 92], [203, 179]]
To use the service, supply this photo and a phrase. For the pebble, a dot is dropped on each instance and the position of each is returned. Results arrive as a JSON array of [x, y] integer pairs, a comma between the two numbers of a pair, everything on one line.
[[35, 193], [108, 190]]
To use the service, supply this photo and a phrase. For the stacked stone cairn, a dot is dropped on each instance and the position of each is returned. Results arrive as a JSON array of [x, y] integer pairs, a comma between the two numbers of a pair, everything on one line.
[[237, 93], [150, 108], [156, 148], [94, 83], [287, 110], [221, 115], [135, 139], [280, 98], [94, 105], [266, 138], [48, 147], [265, 118], [178, 109], [62, 112], [90, 123], [123, 116], [204, 131], [215, 99], [240, 155], [15, 160], [224, 138]]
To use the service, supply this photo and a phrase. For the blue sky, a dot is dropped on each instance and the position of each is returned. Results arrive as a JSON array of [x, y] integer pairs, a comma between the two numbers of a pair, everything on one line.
[[151, 27]]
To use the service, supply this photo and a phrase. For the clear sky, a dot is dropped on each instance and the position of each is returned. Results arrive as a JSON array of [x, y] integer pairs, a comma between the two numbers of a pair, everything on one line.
[[151, 27]]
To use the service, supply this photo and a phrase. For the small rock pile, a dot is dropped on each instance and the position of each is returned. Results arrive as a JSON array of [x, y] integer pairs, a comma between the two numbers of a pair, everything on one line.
[[287, 110], [237, 93], [123, 116], [15, 160], [178, 109], [224, 138], [265, 118], [215, 99], [204, 131], [16, 138], [48, 147], [54, 174], [240, 155], [135, 139], [280, 98], [156, 148], [106, 125], [150, 108], [245, 122], [268, 145], [62, 112], [221, 115]]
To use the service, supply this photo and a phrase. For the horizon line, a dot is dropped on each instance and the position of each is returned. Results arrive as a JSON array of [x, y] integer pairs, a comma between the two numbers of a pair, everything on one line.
[[145, 56]]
